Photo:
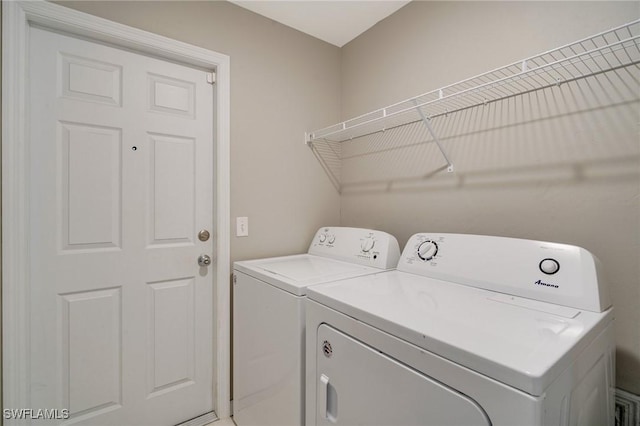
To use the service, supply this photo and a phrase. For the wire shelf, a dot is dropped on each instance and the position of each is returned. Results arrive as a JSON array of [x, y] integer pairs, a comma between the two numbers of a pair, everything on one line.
[[607, 51]]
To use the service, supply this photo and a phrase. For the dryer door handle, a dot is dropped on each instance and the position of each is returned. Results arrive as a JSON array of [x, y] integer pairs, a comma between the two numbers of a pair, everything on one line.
[[328, 400]]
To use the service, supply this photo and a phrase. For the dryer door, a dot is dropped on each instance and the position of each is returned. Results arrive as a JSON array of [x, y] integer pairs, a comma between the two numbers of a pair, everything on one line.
[[355, 384]]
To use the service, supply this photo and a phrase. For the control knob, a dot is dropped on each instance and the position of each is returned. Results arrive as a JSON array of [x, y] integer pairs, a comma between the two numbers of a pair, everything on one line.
[[323, 238], [367, 244], [427, 250]]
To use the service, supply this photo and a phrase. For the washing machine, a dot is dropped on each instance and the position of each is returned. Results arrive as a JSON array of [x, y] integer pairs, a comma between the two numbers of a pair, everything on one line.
[[268, 318], [469, 330]]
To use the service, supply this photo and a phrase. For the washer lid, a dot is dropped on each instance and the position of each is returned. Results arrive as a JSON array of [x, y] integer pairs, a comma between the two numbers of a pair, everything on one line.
[[517, 341], [295, 273]]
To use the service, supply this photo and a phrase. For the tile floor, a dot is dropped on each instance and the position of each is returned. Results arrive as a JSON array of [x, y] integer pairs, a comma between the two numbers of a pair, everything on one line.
[[222, 422]]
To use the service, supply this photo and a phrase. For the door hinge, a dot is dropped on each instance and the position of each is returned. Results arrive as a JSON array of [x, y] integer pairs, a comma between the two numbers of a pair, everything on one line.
[[211, 77], [235, 278]]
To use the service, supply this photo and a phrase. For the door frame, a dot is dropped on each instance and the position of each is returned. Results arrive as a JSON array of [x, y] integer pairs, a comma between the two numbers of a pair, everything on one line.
[[17, 17]]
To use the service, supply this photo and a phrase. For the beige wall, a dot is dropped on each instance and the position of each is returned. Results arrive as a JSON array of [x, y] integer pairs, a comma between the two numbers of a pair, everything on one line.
[[560, 165], [282, 83]]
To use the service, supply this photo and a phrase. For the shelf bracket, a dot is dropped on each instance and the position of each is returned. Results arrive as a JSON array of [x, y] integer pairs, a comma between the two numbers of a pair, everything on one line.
[[427, 123]]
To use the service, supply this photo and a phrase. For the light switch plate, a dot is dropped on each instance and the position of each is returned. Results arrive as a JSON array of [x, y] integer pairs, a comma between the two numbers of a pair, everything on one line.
[[242, 227]]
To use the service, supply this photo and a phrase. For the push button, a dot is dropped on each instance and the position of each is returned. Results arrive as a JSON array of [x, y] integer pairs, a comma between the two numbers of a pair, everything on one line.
[[549, 266]]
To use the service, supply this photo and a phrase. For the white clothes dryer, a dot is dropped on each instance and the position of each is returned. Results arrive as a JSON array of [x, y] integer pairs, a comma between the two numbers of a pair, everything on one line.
[[469, 330], [268, 318]]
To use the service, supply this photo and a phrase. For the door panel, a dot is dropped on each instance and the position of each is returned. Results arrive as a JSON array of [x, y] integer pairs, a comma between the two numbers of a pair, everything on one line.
[[91, 351], [171, 96], [356, 384], [172, 184], [91, 158], [122, 179], [171, 350], [90, 80]]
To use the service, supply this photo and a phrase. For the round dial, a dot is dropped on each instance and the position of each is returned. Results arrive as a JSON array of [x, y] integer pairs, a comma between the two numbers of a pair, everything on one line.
[[367, 244], [332, 239], [549, 266], [323, 238], [427, 250]]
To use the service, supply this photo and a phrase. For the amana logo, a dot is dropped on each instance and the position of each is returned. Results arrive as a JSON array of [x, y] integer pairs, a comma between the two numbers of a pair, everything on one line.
[[546, 284]]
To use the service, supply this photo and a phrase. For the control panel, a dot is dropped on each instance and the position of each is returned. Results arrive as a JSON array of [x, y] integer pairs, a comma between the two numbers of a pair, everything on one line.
[[550, 272], [356, 245]]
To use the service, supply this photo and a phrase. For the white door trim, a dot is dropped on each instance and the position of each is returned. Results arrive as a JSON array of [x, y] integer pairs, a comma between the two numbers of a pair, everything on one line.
[[16, 19]]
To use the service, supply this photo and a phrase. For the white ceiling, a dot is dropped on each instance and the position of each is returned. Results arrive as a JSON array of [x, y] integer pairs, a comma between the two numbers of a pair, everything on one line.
[[334, 21]]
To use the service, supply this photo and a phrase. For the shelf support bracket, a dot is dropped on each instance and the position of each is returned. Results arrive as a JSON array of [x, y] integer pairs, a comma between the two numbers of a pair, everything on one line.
[[308, 138], [427, 123]]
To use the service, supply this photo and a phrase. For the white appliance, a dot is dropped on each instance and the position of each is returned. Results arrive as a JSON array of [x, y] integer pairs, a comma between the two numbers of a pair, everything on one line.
[[469, 330], [268, 318]]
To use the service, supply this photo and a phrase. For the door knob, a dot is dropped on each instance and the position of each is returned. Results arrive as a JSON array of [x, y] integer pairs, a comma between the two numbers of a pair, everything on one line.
[[204, 260]]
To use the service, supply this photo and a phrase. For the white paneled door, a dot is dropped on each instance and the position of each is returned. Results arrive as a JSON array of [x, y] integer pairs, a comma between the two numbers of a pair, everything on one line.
[[122, 182]]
